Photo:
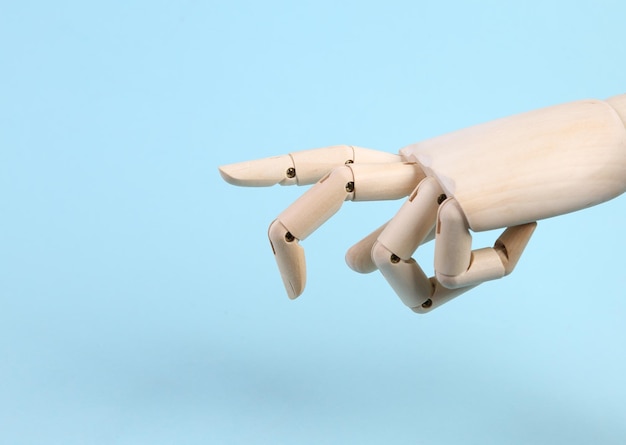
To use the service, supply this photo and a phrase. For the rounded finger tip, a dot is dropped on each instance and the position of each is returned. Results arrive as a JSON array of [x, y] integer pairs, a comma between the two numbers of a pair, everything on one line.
[[289, 257], [294, 289], [259, 173]]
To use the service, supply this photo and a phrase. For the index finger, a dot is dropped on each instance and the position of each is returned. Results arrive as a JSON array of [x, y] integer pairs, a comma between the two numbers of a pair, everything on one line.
[[301, 167]]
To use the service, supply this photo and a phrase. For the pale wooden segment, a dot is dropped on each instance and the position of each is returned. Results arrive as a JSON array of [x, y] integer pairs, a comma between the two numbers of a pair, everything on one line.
[[405, 277], [301, 167], [512, 243], [260, 173], [414, 221], [318, 204], [359, 256], [380, 182], [392, 251], [369, 181], [530, 166], [453, 242], [311, 165], [289, 257], [486, 265], [440, 295]]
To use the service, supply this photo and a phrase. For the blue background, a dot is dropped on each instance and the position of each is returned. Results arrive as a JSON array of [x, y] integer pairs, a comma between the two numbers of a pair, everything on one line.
[[139, 298]]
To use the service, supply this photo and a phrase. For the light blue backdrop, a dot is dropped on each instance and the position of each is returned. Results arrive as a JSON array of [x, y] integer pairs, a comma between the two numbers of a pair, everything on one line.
[[139, 299]]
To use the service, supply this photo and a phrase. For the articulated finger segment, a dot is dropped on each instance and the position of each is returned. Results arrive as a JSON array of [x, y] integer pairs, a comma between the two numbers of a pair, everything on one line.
[[379, 182], [485, 265], [301, 219], [311, 165], [453, 242], [414, 222], [326, 197], [259, 173], [359, 256], [440, 296], [289, 258], [413, 225], [410, 283], [405, 277], [511, 244], [458, 266], [319, 203], [301, 167], [494, 263]]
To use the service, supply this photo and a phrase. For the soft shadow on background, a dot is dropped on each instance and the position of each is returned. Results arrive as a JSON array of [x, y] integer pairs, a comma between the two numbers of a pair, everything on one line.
[[139, 299]]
